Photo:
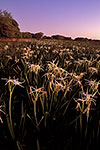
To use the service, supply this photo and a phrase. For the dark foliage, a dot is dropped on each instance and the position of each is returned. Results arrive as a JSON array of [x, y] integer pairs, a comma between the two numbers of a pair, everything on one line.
[[9, 28], [39, 35], [60, 37]]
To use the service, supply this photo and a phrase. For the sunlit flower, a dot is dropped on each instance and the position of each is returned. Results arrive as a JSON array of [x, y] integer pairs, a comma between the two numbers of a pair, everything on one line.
[[14, 81]]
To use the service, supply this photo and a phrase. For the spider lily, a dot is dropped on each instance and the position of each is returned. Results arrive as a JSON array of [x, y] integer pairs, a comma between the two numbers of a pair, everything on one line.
[[14, 81]]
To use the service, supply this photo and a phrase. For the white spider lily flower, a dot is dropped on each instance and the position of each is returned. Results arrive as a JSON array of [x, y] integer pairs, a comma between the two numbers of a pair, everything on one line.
[[86, 99], [60, 85], [93, 83], [90, 82], [93, 69], [14, 81], [37, 90], [35, 68], [9, 57]]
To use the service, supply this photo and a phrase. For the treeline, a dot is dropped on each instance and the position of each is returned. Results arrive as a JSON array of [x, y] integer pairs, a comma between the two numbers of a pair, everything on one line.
[[9, 28]]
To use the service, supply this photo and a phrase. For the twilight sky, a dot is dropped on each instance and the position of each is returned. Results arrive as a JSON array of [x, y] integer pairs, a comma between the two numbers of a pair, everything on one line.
[[74, 18]]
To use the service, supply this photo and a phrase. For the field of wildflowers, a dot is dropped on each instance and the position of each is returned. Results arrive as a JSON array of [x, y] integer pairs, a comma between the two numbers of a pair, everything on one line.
[[50, 95]]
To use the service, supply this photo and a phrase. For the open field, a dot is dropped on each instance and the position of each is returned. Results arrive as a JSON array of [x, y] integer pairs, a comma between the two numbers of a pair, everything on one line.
[[16, 40], [50, 95]]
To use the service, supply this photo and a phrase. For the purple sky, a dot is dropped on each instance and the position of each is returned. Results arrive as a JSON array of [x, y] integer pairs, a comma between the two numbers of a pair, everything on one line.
[[66, 17]]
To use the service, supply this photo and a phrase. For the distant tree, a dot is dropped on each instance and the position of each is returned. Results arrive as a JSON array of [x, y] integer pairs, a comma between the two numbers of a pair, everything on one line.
[[47, 37], [33, 35], [26, 35], [81, 39], [38, 35], [68, 38], [60, 37], [8, 26]]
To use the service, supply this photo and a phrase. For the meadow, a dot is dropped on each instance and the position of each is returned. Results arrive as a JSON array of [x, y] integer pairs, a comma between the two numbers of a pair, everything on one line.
[[49, 95]]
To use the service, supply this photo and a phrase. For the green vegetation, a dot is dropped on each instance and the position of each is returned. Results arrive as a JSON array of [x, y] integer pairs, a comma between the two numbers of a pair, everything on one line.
[[49, 95], [8, 26]]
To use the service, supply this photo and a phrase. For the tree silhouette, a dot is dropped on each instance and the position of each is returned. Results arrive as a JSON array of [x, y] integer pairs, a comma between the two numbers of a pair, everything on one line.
[[8, 26]]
